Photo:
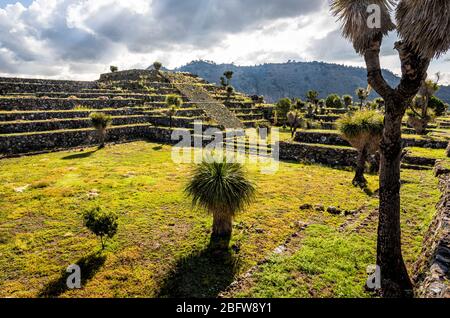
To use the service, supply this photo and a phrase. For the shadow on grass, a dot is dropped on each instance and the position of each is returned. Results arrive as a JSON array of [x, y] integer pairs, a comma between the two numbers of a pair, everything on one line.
[[89, 266], [158, 148], [201, 275], [81, 155]]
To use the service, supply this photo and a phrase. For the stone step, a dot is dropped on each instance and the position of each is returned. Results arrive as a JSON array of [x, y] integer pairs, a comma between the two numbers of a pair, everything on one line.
[[250, 117], [29, 104], [31, 87], [179, 122], [8, 104], [64, 124], [415, 167], [27, 143], [66, 114], [80, 95], [333, 138]]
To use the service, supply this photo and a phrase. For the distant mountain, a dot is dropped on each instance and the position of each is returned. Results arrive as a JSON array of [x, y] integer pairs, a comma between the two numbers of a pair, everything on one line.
[[293, 79]]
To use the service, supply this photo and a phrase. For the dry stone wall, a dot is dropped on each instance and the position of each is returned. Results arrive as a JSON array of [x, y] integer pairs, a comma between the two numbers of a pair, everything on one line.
[[432, 270]]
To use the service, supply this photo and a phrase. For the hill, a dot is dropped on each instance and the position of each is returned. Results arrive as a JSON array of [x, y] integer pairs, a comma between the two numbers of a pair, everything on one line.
[[293, 79]]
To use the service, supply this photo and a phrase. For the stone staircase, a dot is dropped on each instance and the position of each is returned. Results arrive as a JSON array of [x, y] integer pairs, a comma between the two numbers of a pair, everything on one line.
[[199, 96]]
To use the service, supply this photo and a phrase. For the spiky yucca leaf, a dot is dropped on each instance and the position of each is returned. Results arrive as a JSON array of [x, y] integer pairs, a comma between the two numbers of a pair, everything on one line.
[[354, 16], [100, 121], [220, 187], [362, 128], [425, 26]]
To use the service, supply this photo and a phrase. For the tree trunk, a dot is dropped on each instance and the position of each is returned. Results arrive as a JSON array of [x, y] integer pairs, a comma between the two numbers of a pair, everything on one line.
[[222, 229], [395, 281], [448, 150], [101, 136], [359, 180]]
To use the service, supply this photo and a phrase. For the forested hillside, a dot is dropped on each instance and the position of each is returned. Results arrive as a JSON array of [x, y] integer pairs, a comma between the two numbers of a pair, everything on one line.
[[292, 79]]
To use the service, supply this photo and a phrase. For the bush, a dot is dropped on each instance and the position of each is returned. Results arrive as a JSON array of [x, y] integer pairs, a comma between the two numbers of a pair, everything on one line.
[[439, 107], [113, 69], [333, 101], [102, 224]]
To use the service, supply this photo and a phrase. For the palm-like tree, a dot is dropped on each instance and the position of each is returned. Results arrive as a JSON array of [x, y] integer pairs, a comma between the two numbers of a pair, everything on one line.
[[222, 189], [363, 130], [228, 75], [312, 97], [101, 121], [420, 115], [173, 102], [157, 65], [348, 101], [295, 121], [362, 94], [424, 31], [230, 91]]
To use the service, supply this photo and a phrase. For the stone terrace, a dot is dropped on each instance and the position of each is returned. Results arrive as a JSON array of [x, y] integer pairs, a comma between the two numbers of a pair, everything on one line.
[[43, 115]]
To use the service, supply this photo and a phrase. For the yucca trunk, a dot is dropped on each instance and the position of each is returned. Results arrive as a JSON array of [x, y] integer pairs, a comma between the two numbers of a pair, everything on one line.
[[101, 137], [360, 180], [395, 281], [222, 230]]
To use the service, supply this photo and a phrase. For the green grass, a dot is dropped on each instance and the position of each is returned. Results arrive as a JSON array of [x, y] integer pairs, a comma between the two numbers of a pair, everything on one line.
[[426, 152], [160, 246]]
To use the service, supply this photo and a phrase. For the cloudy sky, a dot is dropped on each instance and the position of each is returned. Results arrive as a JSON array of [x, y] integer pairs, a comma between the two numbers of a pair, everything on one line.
[[80, 38]]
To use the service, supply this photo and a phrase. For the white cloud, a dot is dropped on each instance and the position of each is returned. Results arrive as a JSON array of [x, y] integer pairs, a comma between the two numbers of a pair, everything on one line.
[[81, 38]]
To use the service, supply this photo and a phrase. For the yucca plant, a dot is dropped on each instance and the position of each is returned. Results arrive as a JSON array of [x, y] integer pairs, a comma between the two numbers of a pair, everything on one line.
[[229, 76], [283, 107], [348, 101], [362, 94], [101, 121], [312, 97], [173, 103], [230, 91], [363, 130], [157, 65], [420, 114], [295, 120], [424, 31], [222, 189]]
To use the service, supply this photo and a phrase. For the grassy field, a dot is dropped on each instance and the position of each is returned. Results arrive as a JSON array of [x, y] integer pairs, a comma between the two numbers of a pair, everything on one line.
[[160, 249]]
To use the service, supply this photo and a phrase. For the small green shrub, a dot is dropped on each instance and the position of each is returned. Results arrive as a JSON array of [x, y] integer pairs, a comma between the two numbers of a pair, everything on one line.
[[334, 101], [102, 224], [113, 69], [439, 107]]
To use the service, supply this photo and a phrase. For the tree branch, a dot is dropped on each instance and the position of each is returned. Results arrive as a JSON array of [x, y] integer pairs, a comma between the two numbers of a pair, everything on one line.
[[414, 71], [374, 74]]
